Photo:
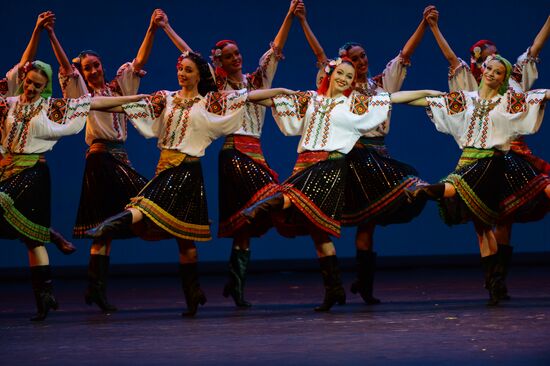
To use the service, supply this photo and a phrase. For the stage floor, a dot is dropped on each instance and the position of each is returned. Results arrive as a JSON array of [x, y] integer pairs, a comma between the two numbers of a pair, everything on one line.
[[428, 317]]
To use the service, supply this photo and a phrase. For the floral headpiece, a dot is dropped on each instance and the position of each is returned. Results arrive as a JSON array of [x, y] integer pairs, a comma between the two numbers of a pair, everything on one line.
[[332, 64], [475, 57], [216, 52]]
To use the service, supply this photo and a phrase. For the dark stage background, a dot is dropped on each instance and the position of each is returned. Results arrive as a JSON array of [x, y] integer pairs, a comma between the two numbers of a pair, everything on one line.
[[116, 28]]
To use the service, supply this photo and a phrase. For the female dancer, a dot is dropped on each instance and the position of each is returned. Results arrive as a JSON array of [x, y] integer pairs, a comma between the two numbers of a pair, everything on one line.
[[173, 203], [30, 125], [242, 167], [330, 121], [374, 193], [520, 187], [108, 172], [12, 81], [483, 123]]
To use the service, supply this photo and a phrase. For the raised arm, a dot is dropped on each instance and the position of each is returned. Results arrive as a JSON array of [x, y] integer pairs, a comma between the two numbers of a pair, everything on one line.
[[263, 96], [316, 47], [162, 21], [30, 52], [432, 17], [64, 64], [414, 41], [147, 44], [414, 97], [282, 35], [540, 39], [111, 104]]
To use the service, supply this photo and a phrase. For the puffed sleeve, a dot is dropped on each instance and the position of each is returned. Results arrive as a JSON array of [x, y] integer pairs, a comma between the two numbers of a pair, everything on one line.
[[72, 84], [525, 72], [128, 79], [525, 111], [65, 117], [369, 110], [448, 112], [394, 74], [146, 114], [10, 84], [263, 76], [225, 111], [461, 78], [289, 111]]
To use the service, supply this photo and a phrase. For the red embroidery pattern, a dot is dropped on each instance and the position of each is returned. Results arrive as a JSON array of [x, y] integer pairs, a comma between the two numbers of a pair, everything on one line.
[[19, 130], [57, 110], [157, 102], [360, 104], [455, 102], [4, 87], [516, 102], [480, 120], [216, 103]]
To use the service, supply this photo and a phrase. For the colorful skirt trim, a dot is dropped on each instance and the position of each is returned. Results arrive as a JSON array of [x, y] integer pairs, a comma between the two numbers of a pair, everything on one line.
[[174, 204], [316, 189], [519, 147], [25, 201], [477, 180], [524, 187], [375, 186]]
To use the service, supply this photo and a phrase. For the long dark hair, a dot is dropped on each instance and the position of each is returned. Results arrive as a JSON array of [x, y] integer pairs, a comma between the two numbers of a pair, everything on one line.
[[206, 82], [77, 62]]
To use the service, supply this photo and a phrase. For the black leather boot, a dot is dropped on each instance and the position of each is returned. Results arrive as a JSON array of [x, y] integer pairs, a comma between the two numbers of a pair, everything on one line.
[[238, 264], [334, 292], [64, 246], [366, 266], [118, 225], [493, 278], [191, 288], [504, 256], [42, 286], [98, 272], [423, 192], [264, 207]]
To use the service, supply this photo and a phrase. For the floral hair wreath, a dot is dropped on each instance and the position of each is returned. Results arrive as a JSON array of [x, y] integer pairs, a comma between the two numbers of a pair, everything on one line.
[[332, 64], [215, 56]]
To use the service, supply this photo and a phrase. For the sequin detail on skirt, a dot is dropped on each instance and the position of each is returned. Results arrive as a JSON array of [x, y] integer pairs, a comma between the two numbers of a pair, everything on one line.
[[375, 185], [523, 190], [478, 184], [25, 204], [243, 178], [108, 184], [174, 203], [317, 194]]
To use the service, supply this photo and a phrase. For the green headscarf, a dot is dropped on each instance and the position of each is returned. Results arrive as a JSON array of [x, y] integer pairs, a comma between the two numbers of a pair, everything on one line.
[[505, 84], [46, 69]]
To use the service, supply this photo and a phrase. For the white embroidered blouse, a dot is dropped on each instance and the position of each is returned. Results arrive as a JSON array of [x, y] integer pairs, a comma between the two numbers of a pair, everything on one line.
[[187, 125], [104, 125], [329, 124], [35, 128], [486, 124]]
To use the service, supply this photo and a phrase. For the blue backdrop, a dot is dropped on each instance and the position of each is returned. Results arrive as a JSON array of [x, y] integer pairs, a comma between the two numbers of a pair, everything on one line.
[[115, 29]]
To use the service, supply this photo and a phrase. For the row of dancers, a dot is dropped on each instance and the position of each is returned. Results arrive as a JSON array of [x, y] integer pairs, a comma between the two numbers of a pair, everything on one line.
[[344, 174]]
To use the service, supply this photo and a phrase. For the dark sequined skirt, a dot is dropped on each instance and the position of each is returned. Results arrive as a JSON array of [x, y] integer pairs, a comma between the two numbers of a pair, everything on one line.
[[478, 184], [523, 190], [243, 177], [25, 204], [316, 189], [174, 204], [108, 184], [375, 186]]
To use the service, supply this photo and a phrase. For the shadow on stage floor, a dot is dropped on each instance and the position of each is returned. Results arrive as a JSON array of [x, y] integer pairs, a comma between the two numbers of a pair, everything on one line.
[[429, 316]]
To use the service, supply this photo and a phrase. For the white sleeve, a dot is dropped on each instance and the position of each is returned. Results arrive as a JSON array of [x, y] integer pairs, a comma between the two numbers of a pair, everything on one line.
[[65, 117], [289, 111], [525, 111], [128, 79], [225, 112], [524, 73], [369, 111], [394, 74], [448, 113], [146, 115], [461, 78], [73, 84]]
